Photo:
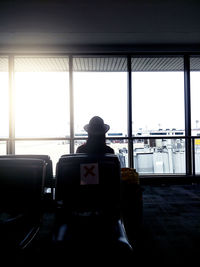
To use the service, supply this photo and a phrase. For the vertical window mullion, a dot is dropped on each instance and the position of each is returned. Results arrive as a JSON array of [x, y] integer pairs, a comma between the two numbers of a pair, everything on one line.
[[11, 142], [129, 112], [71, 99], [188, 148]]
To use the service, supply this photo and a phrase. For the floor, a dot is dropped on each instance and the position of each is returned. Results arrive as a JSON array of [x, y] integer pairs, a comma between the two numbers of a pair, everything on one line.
[[168, 236]]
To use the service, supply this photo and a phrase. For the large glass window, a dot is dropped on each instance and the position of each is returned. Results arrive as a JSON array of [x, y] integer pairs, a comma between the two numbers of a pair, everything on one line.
[[100, 88], [120, 148], [55, 149], [2, 147], [158, 110], [157, 95], [35, 96], [195, 108], [42, 97], [159, 156], [195, 95], [4, 98]]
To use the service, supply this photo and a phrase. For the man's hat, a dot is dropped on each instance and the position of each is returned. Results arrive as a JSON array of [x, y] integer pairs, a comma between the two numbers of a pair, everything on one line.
[[96, 126]]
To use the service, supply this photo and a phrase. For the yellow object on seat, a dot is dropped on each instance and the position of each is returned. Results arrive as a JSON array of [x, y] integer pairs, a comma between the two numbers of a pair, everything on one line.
[[130, 175]]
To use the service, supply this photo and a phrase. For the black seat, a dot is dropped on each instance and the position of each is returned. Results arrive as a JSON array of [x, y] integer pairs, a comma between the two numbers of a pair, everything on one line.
[[49, 182], [21, 194], [100, 194], [88, 204]]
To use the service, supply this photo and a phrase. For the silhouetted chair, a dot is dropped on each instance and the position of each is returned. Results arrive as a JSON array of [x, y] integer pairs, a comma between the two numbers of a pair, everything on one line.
[[88, 205], [21, 194], [49, 183]]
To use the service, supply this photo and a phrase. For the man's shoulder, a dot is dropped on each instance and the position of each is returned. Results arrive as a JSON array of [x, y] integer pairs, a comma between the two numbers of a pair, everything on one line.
[[81, 148], [110, 150]]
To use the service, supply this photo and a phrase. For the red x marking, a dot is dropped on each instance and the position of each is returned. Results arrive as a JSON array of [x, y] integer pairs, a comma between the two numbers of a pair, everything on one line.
[[89, 171]]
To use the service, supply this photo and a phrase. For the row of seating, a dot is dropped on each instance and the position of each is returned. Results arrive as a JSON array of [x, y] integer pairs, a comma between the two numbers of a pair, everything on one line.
[[87, 200], [21, 185], [48, 175]]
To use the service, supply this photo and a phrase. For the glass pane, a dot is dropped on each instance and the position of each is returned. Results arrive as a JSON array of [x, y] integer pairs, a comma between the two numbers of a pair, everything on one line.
[[157, 95], [2, 147], [120, 148], [159, 156], [197, 156], [4, 97], [42, 97], [100, 89], [54, 149], [195, 95]]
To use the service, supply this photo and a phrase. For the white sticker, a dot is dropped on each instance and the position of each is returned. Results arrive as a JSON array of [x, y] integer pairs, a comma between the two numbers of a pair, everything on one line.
[[89, 173]]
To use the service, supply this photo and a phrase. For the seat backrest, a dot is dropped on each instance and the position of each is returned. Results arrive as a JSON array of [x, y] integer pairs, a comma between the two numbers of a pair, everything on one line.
[[21, 183], [48, 180], [88, 182]]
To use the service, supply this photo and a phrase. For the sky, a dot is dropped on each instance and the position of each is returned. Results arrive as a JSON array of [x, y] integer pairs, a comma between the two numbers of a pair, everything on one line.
[[158, 100]]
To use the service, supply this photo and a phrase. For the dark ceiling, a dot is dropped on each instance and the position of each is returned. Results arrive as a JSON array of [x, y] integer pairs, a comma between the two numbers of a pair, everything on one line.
[[70, 23]]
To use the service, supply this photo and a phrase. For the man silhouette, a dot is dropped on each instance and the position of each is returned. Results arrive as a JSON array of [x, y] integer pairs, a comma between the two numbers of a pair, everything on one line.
[[96, 142]]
